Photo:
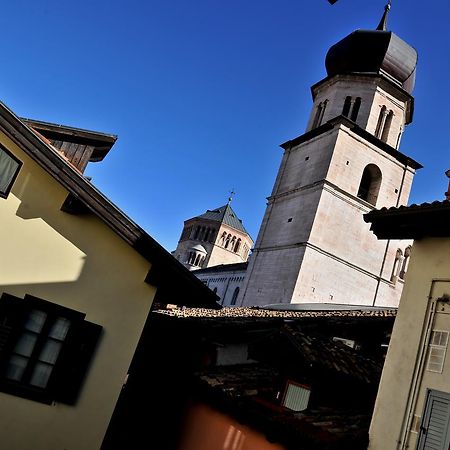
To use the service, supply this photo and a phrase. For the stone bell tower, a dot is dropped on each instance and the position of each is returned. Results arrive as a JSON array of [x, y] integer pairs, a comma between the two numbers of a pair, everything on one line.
[[313, 244]]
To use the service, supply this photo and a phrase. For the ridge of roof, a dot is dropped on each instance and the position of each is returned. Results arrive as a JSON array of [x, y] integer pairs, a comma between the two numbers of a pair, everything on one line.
[[247, 312]]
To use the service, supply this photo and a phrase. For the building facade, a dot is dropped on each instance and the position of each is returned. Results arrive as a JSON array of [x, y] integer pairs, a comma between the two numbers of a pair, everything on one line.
[[412, 409], [225, 280], [313, 245], [77, 281]]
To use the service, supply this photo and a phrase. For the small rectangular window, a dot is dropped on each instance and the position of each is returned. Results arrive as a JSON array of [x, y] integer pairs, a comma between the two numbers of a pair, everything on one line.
[[437, 351], [9, 169], [296, 396]]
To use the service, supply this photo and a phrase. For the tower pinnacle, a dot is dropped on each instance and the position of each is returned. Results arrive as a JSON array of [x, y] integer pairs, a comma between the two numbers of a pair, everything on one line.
[[230, 198], [382, 26]]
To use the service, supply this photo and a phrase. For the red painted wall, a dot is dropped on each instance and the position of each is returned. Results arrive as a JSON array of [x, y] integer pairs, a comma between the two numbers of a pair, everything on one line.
[[208, 429]]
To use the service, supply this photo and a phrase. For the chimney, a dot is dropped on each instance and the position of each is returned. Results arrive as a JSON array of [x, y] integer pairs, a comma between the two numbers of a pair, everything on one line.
[[447, 194]]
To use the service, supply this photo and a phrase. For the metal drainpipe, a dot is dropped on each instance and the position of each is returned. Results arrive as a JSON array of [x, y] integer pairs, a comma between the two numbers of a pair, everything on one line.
[[418, 371], [389, 241]]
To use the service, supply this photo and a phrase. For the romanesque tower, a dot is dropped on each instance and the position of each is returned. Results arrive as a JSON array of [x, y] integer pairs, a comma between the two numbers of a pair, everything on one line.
[[313, 244], [215, 237]]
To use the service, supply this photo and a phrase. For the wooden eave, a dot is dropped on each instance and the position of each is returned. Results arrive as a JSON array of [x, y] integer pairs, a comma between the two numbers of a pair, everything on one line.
[[165, 269], [413, 222], [102, 142]]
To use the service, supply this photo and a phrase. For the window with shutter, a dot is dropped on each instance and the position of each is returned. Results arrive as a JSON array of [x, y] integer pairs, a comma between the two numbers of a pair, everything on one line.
[[9, 169], [45, 349], [434, 429]]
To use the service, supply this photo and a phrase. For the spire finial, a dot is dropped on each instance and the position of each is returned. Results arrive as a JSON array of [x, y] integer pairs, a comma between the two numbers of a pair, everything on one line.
[[447, 194], [231, 196], [382, 26]]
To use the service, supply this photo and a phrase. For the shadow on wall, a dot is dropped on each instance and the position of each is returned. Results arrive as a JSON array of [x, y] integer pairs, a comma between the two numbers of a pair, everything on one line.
[[55, 255]]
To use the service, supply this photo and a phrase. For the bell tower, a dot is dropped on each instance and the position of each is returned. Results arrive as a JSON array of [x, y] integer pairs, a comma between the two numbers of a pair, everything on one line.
[[313, 245]]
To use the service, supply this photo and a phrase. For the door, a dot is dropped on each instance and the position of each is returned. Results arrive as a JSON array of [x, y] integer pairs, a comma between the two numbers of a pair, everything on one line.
[[434, 430]]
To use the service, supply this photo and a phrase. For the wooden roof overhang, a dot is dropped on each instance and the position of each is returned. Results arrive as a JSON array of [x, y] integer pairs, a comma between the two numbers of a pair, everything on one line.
[[166, 273], [412, 222]]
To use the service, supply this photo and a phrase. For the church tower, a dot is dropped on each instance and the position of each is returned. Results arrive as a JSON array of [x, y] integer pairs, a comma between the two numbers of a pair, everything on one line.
[[217, 237], [313, 244]]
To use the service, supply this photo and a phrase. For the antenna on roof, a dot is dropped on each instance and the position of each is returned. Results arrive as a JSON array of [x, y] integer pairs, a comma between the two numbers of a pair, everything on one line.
[[230, 198]]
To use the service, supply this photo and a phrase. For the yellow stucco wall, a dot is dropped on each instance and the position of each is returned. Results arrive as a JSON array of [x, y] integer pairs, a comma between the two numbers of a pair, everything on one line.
[[77, 262], [428, 278]]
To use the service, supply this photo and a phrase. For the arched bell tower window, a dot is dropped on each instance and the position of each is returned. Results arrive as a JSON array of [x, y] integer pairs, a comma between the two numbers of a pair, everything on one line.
[[380, 123], [355, 110], [370, 184], [347, 105], [397, 264], [235, 296], [320, 111], [387, 126], [351, 107], [405, 264], [384, 124]]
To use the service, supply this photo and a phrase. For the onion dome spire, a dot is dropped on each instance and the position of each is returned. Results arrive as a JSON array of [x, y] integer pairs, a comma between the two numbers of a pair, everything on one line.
[[382, 26]]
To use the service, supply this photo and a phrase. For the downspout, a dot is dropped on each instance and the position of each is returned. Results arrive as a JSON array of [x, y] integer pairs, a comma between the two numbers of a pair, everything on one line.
[[389, 241], [419, 365]]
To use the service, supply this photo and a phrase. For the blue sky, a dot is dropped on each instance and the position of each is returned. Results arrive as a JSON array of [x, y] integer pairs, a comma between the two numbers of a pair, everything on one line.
[[201, 92]]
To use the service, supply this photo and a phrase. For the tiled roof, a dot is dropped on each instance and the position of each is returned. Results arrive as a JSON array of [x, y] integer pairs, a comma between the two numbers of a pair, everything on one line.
[[227, 313], [423, 207], [225, 215], [237, 390], [335, 356]]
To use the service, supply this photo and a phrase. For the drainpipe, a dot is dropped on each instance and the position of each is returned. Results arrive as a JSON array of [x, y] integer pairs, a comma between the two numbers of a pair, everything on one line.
[[419, 365], [389, 241]]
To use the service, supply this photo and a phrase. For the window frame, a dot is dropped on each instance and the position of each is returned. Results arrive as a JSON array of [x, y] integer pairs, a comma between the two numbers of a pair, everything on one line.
[[65, 381], [16, 173], [437, 351]]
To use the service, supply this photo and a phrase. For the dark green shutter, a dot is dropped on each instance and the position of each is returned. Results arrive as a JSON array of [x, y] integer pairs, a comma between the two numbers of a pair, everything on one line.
[[12, 316], [434, 430], [73, 364]]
